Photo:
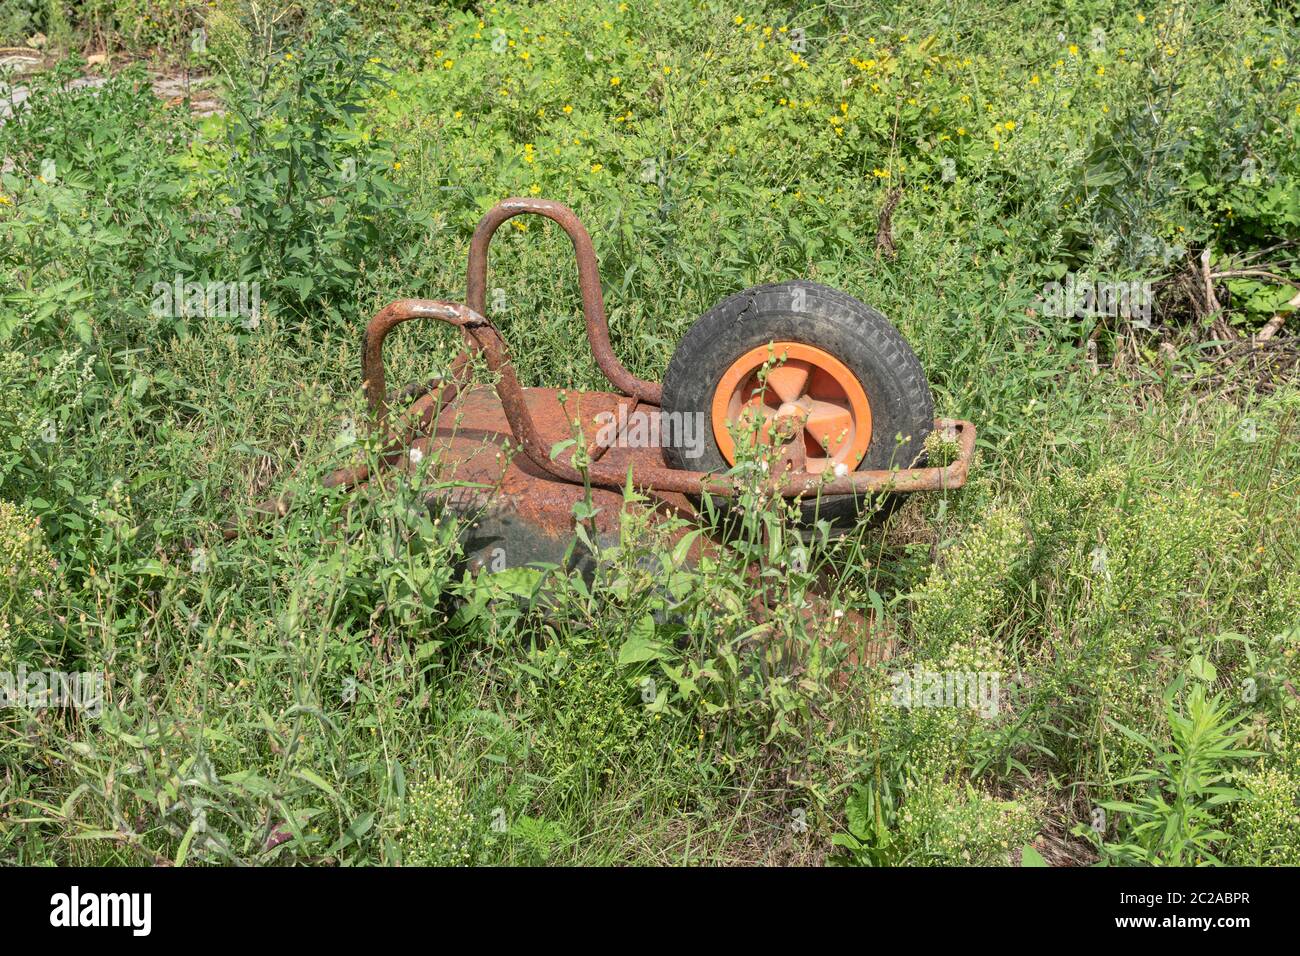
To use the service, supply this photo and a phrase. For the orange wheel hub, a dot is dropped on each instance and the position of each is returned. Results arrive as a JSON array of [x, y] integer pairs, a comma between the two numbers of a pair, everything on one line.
[[803, 382]]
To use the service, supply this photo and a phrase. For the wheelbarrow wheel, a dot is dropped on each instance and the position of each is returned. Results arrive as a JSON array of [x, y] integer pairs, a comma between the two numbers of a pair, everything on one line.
[[805, 349]]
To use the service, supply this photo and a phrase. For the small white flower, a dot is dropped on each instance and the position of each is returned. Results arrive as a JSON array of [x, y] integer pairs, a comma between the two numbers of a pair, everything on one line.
[[841, 469], [417, 456]]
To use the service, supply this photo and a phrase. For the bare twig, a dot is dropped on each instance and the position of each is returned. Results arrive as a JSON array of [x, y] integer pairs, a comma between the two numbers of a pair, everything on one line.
[[1211, 302], [1249, 274], [1272, 326], [885, 225]]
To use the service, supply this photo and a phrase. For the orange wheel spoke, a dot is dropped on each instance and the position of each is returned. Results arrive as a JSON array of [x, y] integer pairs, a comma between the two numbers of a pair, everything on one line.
[[788, 380], [831, 426]]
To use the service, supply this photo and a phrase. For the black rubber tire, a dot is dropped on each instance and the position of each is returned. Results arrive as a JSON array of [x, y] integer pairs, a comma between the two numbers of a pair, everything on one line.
[[856, 334]]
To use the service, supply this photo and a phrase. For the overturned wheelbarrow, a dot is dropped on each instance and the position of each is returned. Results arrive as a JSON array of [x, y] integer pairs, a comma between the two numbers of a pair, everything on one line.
[[808, 369]]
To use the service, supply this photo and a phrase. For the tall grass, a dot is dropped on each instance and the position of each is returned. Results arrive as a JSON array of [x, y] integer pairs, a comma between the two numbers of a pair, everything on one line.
[[335, 688]]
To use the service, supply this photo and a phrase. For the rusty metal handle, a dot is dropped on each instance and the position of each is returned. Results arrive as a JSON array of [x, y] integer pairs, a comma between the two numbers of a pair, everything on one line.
[[660, 478], [593, 303], [372, 344]]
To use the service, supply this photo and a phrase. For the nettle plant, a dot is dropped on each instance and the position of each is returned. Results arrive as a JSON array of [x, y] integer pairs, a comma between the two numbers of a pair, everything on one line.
[[308, 181]]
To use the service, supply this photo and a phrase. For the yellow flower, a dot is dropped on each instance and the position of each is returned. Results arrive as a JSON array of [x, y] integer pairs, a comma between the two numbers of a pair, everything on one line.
[[961, 130], [739, 20], [614, 81], [288, 56], [996, 146], [1101, 71], [534, 189], [1009, 125], [448, 64], [457, 115], [596, 167], [1074, 50], [667, 70], [5, 200], [1034, 79], [1142, 18], [397, 165], [568, 108], [523, 55]]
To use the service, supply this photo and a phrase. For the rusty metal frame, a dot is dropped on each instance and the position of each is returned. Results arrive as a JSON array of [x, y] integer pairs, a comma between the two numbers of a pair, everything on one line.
[[593, 301], [484, 337]]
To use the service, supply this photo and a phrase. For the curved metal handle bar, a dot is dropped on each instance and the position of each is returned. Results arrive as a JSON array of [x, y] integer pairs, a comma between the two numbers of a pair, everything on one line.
[[372, 343], [593, 303], [490, 344]]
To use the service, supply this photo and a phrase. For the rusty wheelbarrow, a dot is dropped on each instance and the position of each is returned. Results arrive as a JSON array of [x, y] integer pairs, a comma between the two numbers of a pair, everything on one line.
[[805, 368]]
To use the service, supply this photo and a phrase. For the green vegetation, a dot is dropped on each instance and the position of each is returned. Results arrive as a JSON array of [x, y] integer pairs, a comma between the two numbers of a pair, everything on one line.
[[336, 689]]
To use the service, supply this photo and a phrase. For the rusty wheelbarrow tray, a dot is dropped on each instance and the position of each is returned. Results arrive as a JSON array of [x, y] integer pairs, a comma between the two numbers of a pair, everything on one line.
[[494, 443]]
